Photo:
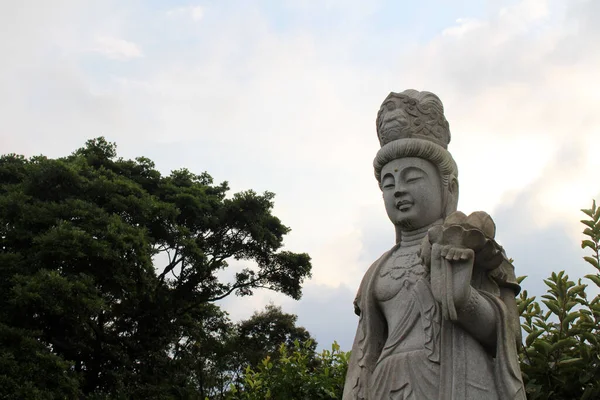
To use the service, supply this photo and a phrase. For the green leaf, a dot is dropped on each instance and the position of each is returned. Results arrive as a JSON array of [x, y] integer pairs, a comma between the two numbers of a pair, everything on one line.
[[550, 284], [533, 336], [589, 213], [577, 289], [552, 305], [590, 337], [569, 361], [563, 343], [588, 223], [590, 244], [594, 278], [542, 346], [592, 261], [568, 319]]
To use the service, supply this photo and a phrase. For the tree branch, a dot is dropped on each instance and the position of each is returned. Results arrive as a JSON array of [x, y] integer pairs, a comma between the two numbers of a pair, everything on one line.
[[249, 283], [171, 265]]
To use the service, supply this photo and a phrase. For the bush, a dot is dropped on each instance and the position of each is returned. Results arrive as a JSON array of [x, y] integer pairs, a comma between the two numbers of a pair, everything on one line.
[[561, 355], [298, 373]]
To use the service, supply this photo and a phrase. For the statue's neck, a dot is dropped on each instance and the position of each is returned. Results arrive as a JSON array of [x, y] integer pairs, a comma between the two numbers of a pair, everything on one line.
[[415, 236]]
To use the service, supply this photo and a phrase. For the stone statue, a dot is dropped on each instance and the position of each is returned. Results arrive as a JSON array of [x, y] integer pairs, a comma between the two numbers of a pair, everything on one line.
[[438, 316]]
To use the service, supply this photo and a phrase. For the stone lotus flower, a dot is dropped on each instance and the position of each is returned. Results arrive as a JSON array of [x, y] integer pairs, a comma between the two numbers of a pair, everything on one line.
[[475, 232]]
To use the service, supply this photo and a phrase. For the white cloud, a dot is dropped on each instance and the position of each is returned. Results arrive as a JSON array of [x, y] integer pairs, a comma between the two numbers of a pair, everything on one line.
[[114, 48], [340, 261], [464, 25], [292, 110], [196, 13]]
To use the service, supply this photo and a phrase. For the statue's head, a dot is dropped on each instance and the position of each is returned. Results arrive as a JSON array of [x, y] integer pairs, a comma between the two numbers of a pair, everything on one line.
[[415, 171]]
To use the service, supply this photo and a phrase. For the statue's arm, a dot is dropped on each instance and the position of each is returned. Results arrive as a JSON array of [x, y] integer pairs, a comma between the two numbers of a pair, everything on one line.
[[478, 317], [473, 310]]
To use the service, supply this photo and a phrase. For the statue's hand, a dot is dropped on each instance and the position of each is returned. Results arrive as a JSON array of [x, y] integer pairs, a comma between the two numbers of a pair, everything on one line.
[[453, 253], [461, 262], [451, 272]]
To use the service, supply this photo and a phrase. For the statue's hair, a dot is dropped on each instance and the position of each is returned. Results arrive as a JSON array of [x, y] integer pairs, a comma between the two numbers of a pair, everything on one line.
[[420, 148]]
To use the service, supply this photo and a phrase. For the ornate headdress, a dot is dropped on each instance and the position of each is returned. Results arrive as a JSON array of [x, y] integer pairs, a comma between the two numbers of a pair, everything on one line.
[[412, 124]]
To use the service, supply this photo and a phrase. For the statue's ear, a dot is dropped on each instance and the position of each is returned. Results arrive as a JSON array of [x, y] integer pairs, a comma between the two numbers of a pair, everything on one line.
[[452, 200]]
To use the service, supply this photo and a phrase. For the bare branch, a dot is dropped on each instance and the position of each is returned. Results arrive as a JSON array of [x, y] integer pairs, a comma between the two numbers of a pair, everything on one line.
[[172, 264]]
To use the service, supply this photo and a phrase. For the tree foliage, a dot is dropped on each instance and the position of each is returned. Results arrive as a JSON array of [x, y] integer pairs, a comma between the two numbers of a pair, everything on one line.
[[561, 354], [297, 373], [226, 354], [262, 335], [109, 273]]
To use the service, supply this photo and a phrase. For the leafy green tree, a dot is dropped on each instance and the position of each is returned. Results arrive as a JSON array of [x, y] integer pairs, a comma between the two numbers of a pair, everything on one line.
[[204, 357], [561, 355], [258, 337], [29, 370], [262, 335], [108, 273], [297, 374]]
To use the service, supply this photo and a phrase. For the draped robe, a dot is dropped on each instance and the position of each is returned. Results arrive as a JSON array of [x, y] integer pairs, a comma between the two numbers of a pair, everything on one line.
[[451, 364]]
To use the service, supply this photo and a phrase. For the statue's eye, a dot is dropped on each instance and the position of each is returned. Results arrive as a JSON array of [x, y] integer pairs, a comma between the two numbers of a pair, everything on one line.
[[390, 106], [388, 183], [413, 178]]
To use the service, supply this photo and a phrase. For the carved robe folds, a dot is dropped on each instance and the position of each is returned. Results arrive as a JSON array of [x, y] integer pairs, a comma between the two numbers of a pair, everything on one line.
[[450, 364]]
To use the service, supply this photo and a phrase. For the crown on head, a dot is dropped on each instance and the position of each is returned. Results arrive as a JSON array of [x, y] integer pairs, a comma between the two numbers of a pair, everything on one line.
[[412, 114]]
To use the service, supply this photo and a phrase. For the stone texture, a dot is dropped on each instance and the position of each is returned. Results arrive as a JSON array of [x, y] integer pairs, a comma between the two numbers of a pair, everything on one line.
[[437, 312]]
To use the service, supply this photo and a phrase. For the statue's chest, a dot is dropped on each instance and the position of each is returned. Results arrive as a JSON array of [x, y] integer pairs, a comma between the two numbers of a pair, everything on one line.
[[400, 272]]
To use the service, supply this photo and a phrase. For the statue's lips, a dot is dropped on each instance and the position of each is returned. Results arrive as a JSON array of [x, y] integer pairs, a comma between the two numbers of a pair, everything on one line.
[[393, 125], [393, 131], [404, 205]]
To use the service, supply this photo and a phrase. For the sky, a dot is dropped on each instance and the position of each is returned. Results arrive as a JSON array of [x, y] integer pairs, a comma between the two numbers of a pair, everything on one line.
[[283, 95]]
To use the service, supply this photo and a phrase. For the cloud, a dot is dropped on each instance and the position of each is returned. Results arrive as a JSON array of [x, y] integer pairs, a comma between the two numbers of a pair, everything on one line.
[[269, 99], [117, 49], [462, 27], [551, 246], [196, 13]]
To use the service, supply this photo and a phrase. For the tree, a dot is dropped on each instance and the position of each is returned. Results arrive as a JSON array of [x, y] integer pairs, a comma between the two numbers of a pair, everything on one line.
[[108, 270], [250, 341], [296, 374], [561, 355], [262, 335]]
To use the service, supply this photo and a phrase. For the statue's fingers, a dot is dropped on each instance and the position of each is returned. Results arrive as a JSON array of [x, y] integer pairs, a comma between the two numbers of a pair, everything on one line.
[[443, 250], [435, 250], [467, 254], [458, 254], [451, 253]]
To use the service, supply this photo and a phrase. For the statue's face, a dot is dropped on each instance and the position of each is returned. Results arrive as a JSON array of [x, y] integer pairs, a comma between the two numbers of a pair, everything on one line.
[[412, 192], [394, 120]]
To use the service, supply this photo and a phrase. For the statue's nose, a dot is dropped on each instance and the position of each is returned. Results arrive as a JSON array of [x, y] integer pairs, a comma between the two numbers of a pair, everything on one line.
[[399, 191], [390, 116]]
